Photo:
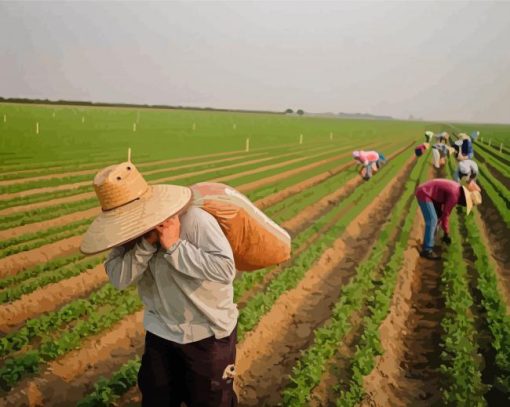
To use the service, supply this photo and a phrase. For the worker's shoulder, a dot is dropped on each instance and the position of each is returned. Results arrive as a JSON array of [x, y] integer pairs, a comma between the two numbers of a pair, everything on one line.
[[196, 215]]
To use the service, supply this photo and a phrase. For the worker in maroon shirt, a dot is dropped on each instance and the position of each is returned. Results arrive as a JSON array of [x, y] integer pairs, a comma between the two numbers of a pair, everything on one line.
[[437, 198]]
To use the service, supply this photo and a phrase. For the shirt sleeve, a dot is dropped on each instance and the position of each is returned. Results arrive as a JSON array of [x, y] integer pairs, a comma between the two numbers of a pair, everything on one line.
[[203, 251], [127, 267], [447, 209]]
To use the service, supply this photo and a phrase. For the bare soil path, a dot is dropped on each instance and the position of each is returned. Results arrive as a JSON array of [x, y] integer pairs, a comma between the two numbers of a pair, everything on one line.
[[268, 353], [407, 372]]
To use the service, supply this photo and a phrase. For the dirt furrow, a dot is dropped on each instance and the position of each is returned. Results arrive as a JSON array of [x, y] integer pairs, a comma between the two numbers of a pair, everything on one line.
[[50, 298], [45, 204], [68, 379], [140, 166], [15, 263], [50, 223], [407, 372], [288, 327]]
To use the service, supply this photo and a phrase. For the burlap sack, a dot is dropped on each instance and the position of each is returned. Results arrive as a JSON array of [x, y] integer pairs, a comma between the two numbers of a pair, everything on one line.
[[256, 240]]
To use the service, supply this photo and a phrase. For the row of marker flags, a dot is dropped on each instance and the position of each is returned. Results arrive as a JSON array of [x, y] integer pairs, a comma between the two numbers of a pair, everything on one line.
[[234, 126]]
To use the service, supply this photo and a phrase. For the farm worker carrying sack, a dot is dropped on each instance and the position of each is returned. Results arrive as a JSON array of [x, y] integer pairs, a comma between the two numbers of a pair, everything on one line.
[[436, 199], [368, 160], [420, 150], [256, 240], [184, 269]]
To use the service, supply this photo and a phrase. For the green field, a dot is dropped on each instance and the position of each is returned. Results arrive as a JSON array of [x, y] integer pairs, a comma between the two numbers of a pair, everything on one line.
[[326, 327], [108, 132]]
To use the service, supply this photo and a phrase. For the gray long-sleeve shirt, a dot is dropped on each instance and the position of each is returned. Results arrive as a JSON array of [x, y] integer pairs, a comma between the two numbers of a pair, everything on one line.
[[187, 291]]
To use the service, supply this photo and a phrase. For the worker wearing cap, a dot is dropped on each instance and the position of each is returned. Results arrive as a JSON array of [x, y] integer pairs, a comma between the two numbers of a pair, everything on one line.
[[183, 267], [437, 198]]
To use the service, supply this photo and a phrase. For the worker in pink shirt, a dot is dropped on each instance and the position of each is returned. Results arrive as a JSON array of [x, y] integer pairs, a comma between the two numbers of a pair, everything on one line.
[[368, 159], [437, 198]]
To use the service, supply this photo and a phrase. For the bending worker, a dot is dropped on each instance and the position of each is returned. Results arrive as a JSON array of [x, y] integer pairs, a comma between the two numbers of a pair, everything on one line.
[[437, 198], [367, 159], [439, 153], [428, 136], [465, 147]]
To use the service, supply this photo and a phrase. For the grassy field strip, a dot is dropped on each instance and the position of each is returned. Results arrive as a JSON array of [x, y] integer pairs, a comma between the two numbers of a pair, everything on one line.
[[43, 197], [11, 191], [38, 215], [74, 165], [498, 186], [309, 369], [493, 151], [461, 376], [87, 185], [33, 361], [148, 168], [500, 167], [44, 200]]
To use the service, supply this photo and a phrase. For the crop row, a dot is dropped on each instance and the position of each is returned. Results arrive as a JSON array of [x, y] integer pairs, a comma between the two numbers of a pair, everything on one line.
[[46, 196], [53, 345], [284, 281], [51, 182], [461, 382], [16, 291], [309, 370], [498, 320]]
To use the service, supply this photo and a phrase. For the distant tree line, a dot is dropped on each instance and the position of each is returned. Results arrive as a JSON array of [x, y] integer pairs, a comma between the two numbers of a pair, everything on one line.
[[142, 106], [299, 112]]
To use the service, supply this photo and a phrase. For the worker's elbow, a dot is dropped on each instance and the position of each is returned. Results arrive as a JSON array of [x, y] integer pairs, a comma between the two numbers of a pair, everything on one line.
[[229, 271]]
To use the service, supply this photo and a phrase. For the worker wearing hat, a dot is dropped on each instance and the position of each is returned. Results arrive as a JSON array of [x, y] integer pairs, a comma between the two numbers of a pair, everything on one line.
[[437, 198], [183, 266]]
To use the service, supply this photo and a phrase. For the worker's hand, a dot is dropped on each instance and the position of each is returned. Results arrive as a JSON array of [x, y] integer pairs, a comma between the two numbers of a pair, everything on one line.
[[152, 236], [447, 239], [169, 232]]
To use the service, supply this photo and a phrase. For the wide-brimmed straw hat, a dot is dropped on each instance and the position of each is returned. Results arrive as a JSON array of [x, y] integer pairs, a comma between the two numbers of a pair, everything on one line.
[[130, 207], [472, 198]]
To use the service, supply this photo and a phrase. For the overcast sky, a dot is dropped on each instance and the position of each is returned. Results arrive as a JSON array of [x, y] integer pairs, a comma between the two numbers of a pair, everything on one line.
[[438, 61]]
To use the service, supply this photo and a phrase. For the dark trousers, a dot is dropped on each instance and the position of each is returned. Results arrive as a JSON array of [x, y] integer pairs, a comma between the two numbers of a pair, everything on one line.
[[193, 373]]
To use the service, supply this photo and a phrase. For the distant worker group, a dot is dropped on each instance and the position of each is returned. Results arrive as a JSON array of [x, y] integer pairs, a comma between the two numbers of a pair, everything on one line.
[[438, 197]]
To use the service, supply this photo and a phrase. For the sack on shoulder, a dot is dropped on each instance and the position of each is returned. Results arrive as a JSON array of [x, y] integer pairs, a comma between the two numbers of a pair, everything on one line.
[[256, 240]]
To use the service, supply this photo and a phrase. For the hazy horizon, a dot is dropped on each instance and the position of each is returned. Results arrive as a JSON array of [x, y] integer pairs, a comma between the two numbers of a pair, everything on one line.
[[434, 61]]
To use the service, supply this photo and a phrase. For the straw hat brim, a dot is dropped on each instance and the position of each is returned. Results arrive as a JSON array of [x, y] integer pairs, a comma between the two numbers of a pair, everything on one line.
[[469, 200], [120, 225]]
